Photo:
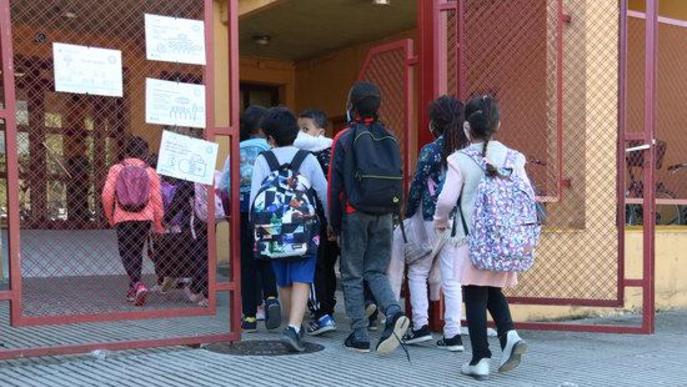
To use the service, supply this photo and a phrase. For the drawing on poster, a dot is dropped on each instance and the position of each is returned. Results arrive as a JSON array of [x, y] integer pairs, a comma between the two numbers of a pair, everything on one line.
[[175, 103], [187, 158], [177, 40], [87, 70]]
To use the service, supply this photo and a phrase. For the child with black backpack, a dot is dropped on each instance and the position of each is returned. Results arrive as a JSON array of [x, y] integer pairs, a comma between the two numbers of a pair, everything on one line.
[[283, 212], [133, 204], [365, 192]]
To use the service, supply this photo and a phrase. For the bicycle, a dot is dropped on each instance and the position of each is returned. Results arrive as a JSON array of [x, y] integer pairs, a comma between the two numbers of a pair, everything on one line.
[[666, 214]]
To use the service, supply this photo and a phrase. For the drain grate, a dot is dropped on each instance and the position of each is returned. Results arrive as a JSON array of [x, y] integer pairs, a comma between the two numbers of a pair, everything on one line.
[[259, 348]]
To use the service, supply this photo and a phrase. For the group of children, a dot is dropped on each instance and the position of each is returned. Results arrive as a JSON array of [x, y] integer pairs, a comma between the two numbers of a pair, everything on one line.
[[442, 197], [307, 201], [162, 214]]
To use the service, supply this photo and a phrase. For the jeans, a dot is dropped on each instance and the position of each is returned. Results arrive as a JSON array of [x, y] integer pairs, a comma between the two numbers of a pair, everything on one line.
[[365, 255], [479, 299], [131, 238], [254, 272], [450, 265]]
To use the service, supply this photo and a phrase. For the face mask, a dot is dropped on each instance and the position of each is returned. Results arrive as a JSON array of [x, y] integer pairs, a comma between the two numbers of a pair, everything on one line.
[[349, 114], [467, 134]]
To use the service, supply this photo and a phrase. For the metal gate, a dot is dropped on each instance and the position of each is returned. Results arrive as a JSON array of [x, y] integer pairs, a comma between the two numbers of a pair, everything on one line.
[[64, 262], [559, 70]]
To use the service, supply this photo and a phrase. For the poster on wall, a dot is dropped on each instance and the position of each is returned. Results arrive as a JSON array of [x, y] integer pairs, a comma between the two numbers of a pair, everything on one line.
[[175, 103], [87, 70], [176, 40], [187, 158]]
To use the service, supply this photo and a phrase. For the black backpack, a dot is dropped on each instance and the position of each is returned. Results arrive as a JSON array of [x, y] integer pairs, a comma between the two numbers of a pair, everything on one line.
[[376, 184]]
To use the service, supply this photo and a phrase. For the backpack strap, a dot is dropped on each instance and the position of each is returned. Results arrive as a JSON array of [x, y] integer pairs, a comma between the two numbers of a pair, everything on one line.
[[298, 160], [271, 159], [462, 219]]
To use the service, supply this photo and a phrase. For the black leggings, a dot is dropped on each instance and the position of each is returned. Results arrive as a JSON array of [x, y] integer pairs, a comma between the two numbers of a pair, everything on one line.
[[255, 273], [479, 299], [131, 238]]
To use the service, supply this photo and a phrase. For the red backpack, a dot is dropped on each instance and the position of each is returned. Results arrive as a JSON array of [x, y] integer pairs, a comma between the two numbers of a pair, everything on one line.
[[132, 189]]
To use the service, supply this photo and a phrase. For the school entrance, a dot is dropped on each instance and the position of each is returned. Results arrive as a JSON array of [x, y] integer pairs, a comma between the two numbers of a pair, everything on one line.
[[559, 70]]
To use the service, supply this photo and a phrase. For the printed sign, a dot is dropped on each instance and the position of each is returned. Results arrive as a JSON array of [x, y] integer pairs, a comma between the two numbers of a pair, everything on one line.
[[187, 158], [170, 39], [87, 70], [175, 103]]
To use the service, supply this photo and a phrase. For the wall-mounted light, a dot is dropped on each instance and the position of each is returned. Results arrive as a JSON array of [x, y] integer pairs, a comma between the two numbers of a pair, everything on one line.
[[381, 2], [262, 40]]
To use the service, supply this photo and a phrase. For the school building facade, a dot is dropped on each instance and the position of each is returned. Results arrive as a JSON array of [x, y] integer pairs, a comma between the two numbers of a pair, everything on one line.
[[574, 79]]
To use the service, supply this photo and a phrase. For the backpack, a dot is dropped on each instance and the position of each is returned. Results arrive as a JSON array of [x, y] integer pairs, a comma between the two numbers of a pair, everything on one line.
[[248, 155], [200, 203], [132, 188], [168, 191], [283, 212], [505, 229], [375, 163]]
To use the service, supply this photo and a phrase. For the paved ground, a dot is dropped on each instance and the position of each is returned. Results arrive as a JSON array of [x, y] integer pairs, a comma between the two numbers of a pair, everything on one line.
[[556, 359]]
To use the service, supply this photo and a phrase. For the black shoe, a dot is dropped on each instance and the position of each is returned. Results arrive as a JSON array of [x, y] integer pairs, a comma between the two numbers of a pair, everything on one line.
[[292, 340], [453, 344], [356, 345], [249, 325], [421, 335], [272, 313], [373, 314], [394, 330]]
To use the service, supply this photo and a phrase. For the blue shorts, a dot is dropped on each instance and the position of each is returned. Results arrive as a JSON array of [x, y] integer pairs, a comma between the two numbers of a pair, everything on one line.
[[289, 271]]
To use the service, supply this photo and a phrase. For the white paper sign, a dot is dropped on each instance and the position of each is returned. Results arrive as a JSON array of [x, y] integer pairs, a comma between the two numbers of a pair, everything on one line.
[[87, 70], [175, 103], [187, 158], [176, 40]]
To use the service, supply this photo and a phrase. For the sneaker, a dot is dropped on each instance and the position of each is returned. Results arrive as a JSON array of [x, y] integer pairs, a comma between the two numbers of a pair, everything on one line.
[[168, 284], [322, 325], [193, 297], [453, 344], [356, 345], [479, 371], [260, 315], [394, 330], [512, 352], [421, 335], [140, 294], [272, 313], [249, 325], [292, 340], [131, 294]]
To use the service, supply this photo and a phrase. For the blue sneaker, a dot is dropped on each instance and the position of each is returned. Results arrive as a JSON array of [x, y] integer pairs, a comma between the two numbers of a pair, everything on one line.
[[325, 324]]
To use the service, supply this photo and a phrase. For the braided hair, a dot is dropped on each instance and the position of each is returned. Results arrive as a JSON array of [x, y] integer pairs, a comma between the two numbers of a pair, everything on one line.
[[482, 113], [446, 116]]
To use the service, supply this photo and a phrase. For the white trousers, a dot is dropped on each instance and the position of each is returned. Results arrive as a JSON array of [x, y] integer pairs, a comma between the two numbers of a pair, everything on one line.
[[450, 265]]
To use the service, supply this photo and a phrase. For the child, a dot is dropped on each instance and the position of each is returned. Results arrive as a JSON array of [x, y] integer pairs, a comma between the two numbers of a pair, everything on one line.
[[446, 125], [294, 274], [361, 211], [482, 289], [132, 203], [257, 276], [312, 124]]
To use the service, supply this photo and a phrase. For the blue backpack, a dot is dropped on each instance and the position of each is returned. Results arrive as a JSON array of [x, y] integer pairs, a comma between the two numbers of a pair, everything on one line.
[[506, 228], [283, 212]]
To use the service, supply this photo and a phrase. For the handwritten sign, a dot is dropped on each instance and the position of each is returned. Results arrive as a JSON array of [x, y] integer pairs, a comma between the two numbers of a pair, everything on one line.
[[176, 40], [87, 70], [187, 158], [175, 103]]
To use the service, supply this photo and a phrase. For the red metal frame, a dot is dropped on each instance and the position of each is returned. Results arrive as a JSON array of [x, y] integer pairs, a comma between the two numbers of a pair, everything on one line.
[[14, 295], [437, 33], [406, 45]]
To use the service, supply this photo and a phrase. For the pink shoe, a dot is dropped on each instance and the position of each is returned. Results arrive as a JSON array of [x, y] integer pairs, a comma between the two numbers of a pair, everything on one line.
[[131, 294], [141, 293]]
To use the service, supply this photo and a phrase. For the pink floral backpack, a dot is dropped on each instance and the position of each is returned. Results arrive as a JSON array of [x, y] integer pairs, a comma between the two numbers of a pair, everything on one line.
[[506, 229]]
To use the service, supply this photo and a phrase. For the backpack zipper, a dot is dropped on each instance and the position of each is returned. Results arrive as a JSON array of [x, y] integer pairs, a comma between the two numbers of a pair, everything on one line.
[[392, 138], [380, 177]]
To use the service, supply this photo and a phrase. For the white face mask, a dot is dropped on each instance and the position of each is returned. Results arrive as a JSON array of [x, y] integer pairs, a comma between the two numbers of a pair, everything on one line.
[[466, 130]]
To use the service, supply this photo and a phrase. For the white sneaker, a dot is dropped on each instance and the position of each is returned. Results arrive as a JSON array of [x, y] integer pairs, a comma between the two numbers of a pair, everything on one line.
[[479, 371], [512, 353], [491, 332]]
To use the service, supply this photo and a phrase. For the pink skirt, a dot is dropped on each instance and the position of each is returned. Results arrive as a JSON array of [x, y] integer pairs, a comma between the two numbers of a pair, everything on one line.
[[473, 276]]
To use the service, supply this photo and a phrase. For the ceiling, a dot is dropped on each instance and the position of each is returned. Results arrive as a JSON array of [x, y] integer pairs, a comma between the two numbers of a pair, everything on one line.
[[301, 29]]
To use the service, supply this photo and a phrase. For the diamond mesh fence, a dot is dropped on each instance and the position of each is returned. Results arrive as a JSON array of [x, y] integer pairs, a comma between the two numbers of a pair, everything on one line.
[[77, 151], [557, 85]]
